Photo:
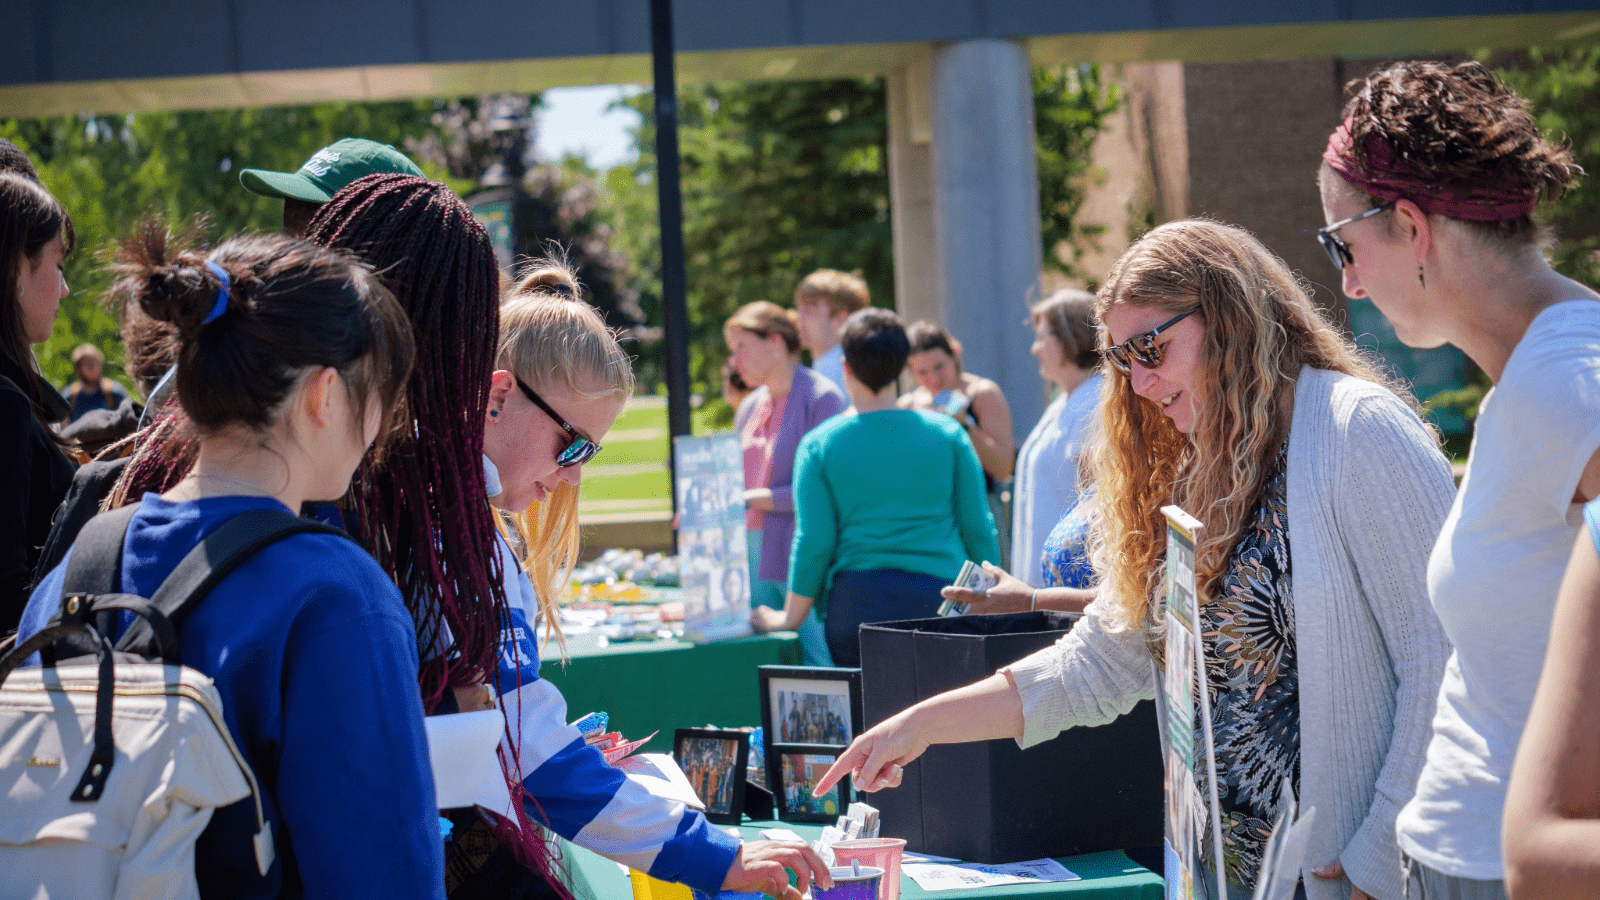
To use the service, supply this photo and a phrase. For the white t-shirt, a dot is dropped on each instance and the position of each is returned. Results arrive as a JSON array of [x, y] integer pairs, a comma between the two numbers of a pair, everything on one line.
[[1047, 476], [1493, 577]]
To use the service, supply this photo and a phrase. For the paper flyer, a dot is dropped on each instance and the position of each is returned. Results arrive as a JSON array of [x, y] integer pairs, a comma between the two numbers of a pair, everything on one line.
[[967, 876], [713, 558], [1183, 683], [466, 769]]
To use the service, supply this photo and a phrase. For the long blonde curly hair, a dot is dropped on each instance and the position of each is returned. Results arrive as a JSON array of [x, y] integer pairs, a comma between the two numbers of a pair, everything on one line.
[[1260, 328]]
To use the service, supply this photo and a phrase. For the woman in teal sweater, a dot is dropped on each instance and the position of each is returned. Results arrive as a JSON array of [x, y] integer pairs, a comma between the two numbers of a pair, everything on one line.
[[888, 502]]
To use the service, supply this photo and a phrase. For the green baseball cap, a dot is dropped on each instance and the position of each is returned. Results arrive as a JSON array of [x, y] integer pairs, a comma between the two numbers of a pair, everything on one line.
[[329, 170]]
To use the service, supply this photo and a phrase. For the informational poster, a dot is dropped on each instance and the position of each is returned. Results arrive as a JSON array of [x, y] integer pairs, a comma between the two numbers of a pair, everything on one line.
[[713, 559], [1185, 695]]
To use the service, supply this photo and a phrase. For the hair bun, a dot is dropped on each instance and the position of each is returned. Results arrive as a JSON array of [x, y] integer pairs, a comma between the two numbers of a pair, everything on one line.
[[548, 276], [178, 288]]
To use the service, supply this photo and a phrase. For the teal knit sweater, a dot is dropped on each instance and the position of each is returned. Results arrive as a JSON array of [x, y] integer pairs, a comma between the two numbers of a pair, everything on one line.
[[896, 489]]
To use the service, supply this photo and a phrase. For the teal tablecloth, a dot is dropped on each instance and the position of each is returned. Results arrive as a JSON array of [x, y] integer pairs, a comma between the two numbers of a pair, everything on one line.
[[1105, 876], [665, 685]]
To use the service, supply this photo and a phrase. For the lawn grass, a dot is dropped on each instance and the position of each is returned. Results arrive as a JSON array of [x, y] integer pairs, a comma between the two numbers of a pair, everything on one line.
[[614, 482]]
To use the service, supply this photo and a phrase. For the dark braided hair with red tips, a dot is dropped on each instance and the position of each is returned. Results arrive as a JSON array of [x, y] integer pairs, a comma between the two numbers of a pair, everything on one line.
[[423, 509]]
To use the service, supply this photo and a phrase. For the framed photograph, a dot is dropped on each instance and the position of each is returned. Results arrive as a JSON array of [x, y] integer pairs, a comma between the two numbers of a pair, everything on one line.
[[810, 706], [798, 774], [714, 762], [808, 716]]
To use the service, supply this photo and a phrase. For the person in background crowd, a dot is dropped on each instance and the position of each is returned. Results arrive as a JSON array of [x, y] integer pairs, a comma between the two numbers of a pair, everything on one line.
[[976, 403], [560, 380], [734, 390], [291, 363], [12, 159], [90, 389], [326, 173], [1428, 188], [1048, 482], [35, 471], [1319, 489], [1057, 574], [786, 403], [821, 303], [1552, 818], [889, 502]]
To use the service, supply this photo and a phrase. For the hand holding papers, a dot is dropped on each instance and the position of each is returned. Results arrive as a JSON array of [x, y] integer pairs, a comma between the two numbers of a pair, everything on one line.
[[466, 770]]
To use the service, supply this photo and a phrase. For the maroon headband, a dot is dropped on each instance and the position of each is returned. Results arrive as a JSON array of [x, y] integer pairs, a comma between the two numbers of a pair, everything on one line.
[[1384, 177]]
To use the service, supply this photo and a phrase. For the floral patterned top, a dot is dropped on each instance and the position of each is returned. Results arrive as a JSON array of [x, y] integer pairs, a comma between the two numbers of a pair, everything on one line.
[[1253, 678], [1066, 550]]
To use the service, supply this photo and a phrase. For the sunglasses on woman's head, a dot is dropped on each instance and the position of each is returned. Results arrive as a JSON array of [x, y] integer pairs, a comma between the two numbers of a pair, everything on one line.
[[1338, 252], [1142, 348], [581, 450]]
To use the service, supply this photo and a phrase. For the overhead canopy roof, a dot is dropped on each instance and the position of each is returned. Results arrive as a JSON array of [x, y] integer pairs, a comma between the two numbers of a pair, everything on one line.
[[68, 56]]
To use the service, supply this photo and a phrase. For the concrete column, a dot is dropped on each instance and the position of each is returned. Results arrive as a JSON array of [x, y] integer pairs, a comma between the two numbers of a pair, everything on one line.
[[916, 269], [986, 213]]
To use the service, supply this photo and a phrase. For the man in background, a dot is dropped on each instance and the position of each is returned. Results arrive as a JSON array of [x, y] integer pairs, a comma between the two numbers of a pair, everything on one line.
[[326, 173], [822, 302], [90, 390]]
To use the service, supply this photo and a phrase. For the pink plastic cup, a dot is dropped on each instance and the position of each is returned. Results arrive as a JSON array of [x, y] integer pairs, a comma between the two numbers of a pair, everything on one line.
[[880, 853]]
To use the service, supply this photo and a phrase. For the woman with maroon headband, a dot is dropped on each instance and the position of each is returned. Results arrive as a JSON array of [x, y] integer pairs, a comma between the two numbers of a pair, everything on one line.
[[1429, 188]]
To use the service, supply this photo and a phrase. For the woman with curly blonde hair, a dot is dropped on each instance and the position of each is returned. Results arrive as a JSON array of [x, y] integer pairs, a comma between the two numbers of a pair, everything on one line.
[[1320, 489]]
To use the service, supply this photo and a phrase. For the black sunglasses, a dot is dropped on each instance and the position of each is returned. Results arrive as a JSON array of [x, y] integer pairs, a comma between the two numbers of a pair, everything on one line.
[[1338, 252], [581, 450], [1142, 348]]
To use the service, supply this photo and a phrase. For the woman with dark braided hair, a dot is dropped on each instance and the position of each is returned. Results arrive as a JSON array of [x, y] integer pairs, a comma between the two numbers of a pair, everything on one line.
[[1429, 187]]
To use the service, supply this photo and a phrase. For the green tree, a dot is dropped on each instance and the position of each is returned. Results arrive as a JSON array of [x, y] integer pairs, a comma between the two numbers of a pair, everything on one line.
[[1563, 88], [783, 178], [1070, 106], [111, 170]]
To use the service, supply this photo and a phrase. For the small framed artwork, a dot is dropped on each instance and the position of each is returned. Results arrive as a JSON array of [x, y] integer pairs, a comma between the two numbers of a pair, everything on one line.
[[808, 716], [714, 762], [798, 774], [801, 705]]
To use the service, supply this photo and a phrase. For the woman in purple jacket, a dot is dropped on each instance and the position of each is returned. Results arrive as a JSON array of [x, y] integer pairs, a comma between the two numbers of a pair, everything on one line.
[[788, 400]]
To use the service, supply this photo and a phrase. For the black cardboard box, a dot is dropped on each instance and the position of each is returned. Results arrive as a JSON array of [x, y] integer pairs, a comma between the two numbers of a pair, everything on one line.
[[1090, 789]]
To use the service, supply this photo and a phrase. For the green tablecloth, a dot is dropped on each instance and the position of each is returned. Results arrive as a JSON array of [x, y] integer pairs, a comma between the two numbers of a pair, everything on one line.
[[665, 685], [1105, 876]]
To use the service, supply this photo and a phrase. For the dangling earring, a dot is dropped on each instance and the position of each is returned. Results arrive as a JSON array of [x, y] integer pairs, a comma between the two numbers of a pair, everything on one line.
[[1421, 279]]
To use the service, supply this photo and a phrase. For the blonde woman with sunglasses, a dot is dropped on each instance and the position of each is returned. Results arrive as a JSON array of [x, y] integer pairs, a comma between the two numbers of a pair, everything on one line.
[[561, 380], [1321, 491]]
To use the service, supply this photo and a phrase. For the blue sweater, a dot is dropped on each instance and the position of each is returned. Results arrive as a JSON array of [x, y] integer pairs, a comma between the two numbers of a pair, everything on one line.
[[575, 792], [315, 657]]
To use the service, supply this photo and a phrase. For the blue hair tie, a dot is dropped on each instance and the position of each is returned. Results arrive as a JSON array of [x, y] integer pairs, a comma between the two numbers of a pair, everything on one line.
[[221, 306]]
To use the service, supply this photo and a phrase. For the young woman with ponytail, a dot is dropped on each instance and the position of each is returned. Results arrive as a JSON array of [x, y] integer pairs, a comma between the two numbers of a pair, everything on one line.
[[291, 361]]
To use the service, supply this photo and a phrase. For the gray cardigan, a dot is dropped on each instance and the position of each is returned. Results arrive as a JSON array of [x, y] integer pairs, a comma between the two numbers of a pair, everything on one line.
[[1368, 491]]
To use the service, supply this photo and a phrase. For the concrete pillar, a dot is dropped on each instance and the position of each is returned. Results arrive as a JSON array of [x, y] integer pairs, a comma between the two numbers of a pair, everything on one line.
[[986, 213], [916, 269]]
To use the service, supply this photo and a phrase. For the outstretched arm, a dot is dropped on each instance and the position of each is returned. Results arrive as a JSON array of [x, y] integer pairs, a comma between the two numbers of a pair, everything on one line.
[[1552, 818], [984, 711]]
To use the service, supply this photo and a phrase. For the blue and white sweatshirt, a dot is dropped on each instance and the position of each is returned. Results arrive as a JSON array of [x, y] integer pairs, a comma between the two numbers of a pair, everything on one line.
[[575, 792], [315, 657]]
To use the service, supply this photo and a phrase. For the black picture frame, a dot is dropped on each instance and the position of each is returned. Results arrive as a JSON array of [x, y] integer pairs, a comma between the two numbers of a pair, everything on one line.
[[798, 768], [808, 716], [802, 705], [714, 761]]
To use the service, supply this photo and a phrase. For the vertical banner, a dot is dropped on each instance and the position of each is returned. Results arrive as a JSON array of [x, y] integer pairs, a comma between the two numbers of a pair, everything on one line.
[[1186, 698], [713, 559]]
